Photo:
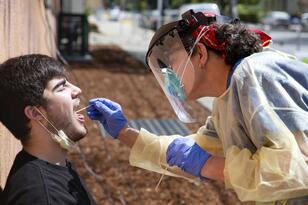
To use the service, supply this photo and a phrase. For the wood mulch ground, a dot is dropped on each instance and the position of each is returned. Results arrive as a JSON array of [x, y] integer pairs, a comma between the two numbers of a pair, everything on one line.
[[116, 75]]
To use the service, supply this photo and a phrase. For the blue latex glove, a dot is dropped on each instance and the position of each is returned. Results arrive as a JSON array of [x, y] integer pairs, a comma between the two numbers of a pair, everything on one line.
[[186, 154], [108, 113]]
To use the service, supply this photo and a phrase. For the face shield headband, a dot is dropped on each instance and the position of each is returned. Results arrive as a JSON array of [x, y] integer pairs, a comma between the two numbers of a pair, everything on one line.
[[204, 23]]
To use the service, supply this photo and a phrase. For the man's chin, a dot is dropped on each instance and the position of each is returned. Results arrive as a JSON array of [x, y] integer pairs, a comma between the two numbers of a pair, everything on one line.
[[79, 134]]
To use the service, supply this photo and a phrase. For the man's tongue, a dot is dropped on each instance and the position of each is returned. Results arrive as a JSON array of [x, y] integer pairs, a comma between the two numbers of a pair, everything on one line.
[[80, 117]]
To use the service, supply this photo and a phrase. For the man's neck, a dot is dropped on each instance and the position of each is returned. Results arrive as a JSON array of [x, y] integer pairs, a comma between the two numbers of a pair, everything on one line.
[[46, 149]]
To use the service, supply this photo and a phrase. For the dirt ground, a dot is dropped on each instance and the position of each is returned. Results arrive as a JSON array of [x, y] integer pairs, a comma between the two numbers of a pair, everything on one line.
[[116, 75]]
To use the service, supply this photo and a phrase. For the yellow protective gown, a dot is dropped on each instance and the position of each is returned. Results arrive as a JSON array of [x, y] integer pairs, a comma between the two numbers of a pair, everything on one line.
[[260, 126]]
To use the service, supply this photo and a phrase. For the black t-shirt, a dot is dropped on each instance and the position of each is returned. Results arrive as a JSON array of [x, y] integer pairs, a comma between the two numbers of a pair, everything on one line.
[[37, 182]]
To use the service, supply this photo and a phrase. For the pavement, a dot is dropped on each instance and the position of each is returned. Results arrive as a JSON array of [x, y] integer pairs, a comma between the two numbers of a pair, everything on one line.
[[135, 40]]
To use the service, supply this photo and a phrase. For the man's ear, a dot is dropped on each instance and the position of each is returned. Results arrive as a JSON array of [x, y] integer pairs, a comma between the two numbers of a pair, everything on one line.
[[32, 113], [202, 53]]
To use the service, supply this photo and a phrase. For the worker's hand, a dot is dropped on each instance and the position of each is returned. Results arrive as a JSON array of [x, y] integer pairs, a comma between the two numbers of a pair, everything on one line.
[[109, 114], [186, 154]]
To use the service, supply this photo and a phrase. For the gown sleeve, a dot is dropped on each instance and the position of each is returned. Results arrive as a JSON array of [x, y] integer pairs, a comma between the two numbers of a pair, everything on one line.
[[149, 150]]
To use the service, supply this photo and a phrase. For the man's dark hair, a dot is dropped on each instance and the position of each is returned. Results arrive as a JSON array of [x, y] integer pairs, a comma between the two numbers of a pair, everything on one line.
[[22, 83]]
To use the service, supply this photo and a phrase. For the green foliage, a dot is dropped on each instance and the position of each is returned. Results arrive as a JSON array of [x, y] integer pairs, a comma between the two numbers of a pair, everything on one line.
[[249, 2], [87, 11], [250, 13], [136, 5], [305, 60], [93, 27], [178, 3], [144, 4]]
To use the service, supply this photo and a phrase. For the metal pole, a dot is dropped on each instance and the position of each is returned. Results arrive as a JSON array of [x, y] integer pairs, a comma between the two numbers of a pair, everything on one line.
[[234, 12], [160, 13], [298, 42]]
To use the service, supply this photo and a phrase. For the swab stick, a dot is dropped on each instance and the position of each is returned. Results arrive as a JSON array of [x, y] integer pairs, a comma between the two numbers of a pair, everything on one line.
[[160, 180], [83, 108], [157, 185]]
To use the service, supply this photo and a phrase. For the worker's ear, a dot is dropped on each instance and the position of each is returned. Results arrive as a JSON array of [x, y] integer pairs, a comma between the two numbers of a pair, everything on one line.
[[202, 54], [32, 113]]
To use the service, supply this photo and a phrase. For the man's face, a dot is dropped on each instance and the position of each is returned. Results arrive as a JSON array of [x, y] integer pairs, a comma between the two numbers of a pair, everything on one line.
[[62, 101]]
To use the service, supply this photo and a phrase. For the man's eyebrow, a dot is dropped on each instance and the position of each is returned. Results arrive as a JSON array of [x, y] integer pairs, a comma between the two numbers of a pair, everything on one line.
[[60, 83]]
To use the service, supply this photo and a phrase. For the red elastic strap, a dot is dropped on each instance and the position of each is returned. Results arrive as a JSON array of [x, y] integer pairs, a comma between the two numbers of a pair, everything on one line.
[[208, 37]]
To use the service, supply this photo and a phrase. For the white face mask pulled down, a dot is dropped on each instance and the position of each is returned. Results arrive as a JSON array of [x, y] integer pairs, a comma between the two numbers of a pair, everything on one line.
[[60, 137]]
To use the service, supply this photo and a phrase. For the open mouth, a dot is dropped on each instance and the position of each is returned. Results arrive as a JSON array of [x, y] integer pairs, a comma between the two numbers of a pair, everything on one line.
[[79, 117]]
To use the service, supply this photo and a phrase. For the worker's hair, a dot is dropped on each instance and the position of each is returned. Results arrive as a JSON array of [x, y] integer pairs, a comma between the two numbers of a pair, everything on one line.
[[22, 83], [239, 41]]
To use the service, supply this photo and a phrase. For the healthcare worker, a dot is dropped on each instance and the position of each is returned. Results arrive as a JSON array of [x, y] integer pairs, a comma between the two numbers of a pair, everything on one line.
[[256, 139]]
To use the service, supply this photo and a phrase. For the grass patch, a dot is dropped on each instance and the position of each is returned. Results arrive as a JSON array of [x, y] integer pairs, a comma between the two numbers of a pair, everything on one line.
[[305, 60]]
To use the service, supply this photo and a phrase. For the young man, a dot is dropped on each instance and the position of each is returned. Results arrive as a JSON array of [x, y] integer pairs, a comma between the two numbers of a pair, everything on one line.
[[38, 106]]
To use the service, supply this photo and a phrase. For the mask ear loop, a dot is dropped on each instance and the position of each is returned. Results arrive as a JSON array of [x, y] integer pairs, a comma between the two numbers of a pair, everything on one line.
[[46, 120], [64, 141], [191, 52], [45, 127]]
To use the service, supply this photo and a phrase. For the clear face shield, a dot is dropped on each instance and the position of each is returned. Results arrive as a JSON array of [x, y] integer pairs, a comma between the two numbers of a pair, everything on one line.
[[170, 60], [172, 68]]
